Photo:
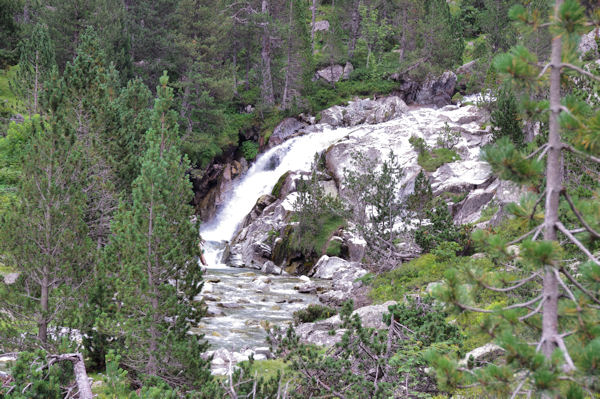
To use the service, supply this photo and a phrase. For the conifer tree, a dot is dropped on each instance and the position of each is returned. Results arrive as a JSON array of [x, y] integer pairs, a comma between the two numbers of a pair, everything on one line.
[[36, 62], [552, 296], [153, 256], [44, 236]]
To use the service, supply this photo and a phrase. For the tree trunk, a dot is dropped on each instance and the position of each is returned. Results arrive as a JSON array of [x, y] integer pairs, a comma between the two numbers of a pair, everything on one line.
[[36, 83], [81, 377], [313, 10], [43, 320], [403, 38], [152, 366], [553, 189], [354, 29], [284, 101], [267, 79]]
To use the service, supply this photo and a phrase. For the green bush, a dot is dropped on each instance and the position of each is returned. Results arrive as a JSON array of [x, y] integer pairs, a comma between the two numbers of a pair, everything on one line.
[[313, 313], [334, 248], [249, 150], [414, 275], [432, 160], [506, 118]]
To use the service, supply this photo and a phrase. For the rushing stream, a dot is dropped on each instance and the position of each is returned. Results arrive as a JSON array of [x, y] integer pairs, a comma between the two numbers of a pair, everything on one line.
[[240, 300]]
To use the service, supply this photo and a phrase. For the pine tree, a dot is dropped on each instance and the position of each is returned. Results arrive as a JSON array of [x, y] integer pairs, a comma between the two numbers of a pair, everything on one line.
[[36, 62], [44, 237], [153, 256], [554, 282], [506, 118]]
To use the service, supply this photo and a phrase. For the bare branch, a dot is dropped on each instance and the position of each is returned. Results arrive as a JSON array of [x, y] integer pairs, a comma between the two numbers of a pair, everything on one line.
[[569, 292], [578, 243], [524, 304], [524, 236], [533, 312], [537, 203], [594, 233], [580, 70], [544, 69], [570, 366], [516, 392], [518, 284], [533, 154], [578, 285], [580, 153]]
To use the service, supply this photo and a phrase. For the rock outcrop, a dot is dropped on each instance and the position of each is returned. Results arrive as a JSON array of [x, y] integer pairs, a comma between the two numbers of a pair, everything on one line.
[[588, 43], [334, 73], [264, 239], [437, 91], [212, 185], [343, 275], [318, 333], [365, 111], [287, 129]]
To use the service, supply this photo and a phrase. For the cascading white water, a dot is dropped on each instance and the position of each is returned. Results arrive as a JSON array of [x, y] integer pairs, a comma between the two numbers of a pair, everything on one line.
[[296, 154]]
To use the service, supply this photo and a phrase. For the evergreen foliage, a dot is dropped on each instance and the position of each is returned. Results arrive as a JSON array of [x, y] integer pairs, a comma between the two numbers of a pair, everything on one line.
[[36, 62], [557, 364], [506, 118], [153, 254]]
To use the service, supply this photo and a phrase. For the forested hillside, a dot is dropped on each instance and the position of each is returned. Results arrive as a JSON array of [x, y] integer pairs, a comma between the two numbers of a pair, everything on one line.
[[299, 198]]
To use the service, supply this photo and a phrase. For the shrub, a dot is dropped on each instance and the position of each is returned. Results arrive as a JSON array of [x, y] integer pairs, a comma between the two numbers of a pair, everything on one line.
[[506, 118], [432, 160], [249, 150], [313, 313]]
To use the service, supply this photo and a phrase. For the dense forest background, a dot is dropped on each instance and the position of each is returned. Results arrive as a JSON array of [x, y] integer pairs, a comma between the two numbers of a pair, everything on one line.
[[109, 108]]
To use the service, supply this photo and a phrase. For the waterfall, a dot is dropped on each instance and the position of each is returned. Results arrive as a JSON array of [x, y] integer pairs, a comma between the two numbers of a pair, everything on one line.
[[295, 154]]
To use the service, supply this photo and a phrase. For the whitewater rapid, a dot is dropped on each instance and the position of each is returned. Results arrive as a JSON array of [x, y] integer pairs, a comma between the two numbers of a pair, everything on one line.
[[296, 154]]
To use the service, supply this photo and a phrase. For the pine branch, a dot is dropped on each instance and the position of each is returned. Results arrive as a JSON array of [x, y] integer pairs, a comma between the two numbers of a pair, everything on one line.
[[544, 69], [537, 203], [567, 289], [533, 154], [580, 70], [516, 392], [524, 236], [543, 154], [511, 288], [580, 153], [575, 241], [533, 312], [570, 366], [579, 286], [524, 304], [594, 233]]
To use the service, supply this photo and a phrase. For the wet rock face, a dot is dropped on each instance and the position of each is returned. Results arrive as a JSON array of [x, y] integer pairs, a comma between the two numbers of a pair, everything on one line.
[[364, 111], [287, 129], [437, 91], [212, 185]]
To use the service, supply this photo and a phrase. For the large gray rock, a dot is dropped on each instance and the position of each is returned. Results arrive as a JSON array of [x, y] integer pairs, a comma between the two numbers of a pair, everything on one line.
[[327, 267], [368, 111], [348, 69], [467, 68], [318, 332], [342, 273], [331, 74], [437, 91], [322, 26], [482, 355], [588, 42], [287, 129], [333, 116]]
